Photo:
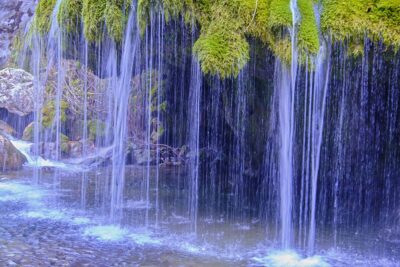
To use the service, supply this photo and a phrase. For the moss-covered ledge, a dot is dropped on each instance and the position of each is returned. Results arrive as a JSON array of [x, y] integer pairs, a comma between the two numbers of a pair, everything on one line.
[[95, 14], [222, 48], [378, 20], [226, 25]]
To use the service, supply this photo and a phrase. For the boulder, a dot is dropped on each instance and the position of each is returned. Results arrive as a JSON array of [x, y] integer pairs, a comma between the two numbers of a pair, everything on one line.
[[16, 91], [10, 157], [6, 129]]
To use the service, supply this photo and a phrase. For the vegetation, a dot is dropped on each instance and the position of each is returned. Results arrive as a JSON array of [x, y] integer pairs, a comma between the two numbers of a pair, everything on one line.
[[95, 15], [354, 20], [69, 14], [49, 112], [225, 26], [43, 15], [308, 39]]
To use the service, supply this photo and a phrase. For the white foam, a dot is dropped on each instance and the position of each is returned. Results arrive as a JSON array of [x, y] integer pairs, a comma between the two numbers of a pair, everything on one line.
[[39, 162], [47, 214], [106, 232], [81, 220], [144, 239], [19, 192], [290, 258]]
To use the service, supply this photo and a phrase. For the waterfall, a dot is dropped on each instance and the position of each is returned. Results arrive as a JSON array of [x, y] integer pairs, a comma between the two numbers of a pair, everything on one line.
[[285, 83], [121, 98], [194, 141], [300, 155], [286, 124], [317, 93], [317, 101]]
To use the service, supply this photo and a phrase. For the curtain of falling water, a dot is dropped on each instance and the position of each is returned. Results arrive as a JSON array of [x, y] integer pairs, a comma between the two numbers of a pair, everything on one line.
[[50, 49], [122, 93], [85, 123], [36, 57], [317, 98], [286, 126], [194, 140], [359, 137], [239, 153], [282, 84], [160, 50]]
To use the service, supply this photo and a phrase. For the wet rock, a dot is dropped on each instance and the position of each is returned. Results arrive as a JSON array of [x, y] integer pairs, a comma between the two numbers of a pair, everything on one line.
[[159, 153], [28, 132], [49, 150], [10, 157], [6, 129], [16, 91], [75, 148], [14, 16], [99, 157]]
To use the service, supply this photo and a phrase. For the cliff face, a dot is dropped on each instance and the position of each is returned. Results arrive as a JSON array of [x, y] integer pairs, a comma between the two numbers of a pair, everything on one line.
[[14, 16]]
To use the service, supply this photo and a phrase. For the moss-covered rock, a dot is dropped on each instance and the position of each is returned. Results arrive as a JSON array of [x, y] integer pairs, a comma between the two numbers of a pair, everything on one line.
[[99, 13], [49, 113], [280, 14], [69, 14], [96, 129], [222, 48], [308, 39], [43, 15], [115, 20], [93, 19], [353, 20]]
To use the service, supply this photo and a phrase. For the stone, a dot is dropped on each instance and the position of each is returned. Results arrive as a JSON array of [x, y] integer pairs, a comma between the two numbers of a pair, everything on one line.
[[16, 91], [28, 133], [75, 148], [6, 129], [10, 157], [14, 17]]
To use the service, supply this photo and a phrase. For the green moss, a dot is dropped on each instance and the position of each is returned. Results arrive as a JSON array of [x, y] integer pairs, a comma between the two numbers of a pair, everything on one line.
[[43, 14], [308, 39], [353, 20], [95, 15], [282, 48], [93, 19], [69, 14], [280, 14], [116, 17], [49, 111], [115, 21], [222, 48], [96, 128], [64, 143], [222, 54]]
